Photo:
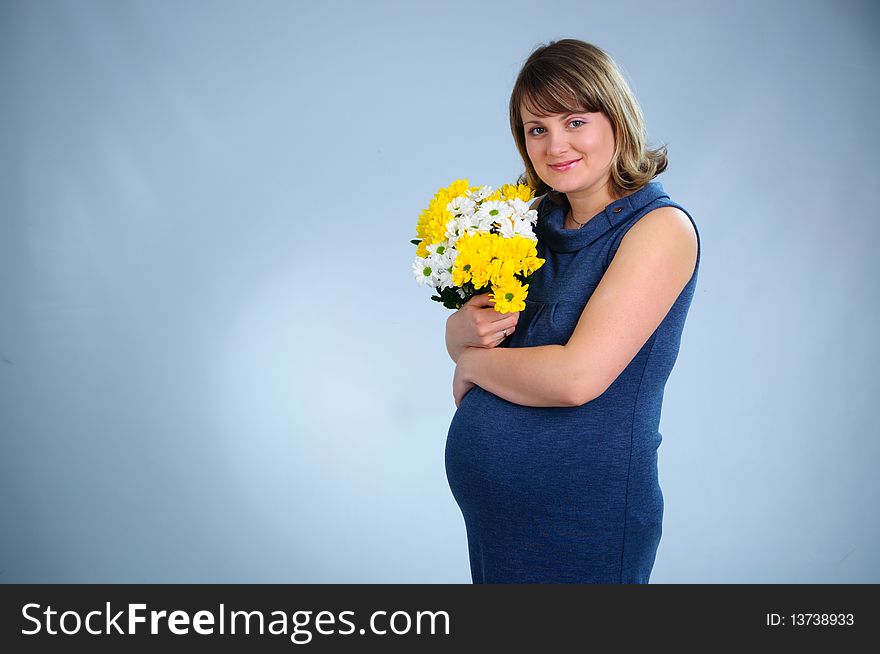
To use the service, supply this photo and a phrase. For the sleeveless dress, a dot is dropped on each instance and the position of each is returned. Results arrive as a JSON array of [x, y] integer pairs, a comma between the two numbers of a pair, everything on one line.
[[569, 494]]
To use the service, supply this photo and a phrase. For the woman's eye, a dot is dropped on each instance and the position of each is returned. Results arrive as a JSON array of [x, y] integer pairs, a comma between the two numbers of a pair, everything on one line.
[[580, 122]]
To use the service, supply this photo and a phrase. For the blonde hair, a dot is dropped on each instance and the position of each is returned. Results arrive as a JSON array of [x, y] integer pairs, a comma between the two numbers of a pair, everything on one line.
[[571, 75]]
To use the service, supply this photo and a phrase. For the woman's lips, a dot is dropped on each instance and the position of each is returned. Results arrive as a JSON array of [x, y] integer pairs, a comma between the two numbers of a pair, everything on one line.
[[565, 166]]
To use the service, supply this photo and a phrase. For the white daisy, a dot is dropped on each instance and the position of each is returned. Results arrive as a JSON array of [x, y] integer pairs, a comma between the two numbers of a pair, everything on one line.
[[511, 227], [481, 193], [494, 211], [437, 248], [453, 230], [461, 205], [519, 206], [475, 223], [423, 271], [444, 279]]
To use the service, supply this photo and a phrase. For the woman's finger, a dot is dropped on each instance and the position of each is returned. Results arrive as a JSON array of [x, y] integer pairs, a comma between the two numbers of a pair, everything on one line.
[[481, 300], [511, 318]]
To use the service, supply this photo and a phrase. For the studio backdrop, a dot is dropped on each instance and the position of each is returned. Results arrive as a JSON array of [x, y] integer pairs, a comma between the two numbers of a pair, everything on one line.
[[216, 366]]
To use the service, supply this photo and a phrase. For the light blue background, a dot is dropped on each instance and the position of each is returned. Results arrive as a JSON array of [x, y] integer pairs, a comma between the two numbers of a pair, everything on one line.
[[216, 366]]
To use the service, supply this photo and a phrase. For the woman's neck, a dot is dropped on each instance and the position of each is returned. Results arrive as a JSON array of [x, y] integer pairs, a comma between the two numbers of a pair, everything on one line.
[[587, 203]]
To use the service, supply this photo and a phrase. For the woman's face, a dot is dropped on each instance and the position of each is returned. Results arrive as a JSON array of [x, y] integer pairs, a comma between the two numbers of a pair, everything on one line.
[[583, 141]]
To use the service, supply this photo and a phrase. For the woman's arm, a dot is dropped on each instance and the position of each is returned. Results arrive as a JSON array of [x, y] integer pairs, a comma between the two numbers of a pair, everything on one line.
[[654, 262]]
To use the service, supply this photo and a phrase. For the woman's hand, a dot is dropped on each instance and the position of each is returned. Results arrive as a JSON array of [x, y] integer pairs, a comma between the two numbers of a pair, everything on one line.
[[460, 383], [477, 324]]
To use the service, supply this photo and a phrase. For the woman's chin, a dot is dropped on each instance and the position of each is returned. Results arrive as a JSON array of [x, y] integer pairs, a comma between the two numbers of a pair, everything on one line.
[[565, 186]]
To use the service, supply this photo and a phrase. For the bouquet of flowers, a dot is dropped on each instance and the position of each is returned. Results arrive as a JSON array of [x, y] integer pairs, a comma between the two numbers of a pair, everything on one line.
[[474, 237]]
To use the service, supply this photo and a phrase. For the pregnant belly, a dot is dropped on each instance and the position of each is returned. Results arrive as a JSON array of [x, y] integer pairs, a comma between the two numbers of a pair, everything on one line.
[[503, 457]]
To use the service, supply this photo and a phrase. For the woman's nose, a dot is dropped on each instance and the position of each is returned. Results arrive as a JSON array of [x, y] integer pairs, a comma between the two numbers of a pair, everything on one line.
[[557, 143]]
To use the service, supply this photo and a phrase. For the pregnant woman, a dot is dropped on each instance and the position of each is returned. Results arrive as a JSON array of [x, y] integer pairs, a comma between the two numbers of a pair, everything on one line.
[[552, 451]]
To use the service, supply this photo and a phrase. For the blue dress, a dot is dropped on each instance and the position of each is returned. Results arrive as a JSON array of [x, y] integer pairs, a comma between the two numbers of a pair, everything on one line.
[[569, 494]]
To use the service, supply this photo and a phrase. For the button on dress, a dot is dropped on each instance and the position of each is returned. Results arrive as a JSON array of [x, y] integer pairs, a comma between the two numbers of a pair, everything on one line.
[[569, 494]]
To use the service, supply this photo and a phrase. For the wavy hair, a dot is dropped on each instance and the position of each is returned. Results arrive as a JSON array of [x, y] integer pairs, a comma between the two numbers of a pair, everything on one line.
[[571, 75]]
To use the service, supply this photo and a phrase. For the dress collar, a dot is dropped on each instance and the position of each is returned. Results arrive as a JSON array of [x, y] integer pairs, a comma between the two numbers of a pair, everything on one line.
[[551, 217]]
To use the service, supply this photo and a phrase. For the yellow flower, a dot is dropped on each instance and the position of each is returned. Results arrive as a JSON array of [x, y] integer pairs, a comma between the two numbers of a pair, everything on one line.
[[474, 262], [500, 269], [461, 272], [481, 270], [473, 256], [431, 227], [461, 269], [523, 253], [521, 191], [531, 264], [510, 296], [458, 187]]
